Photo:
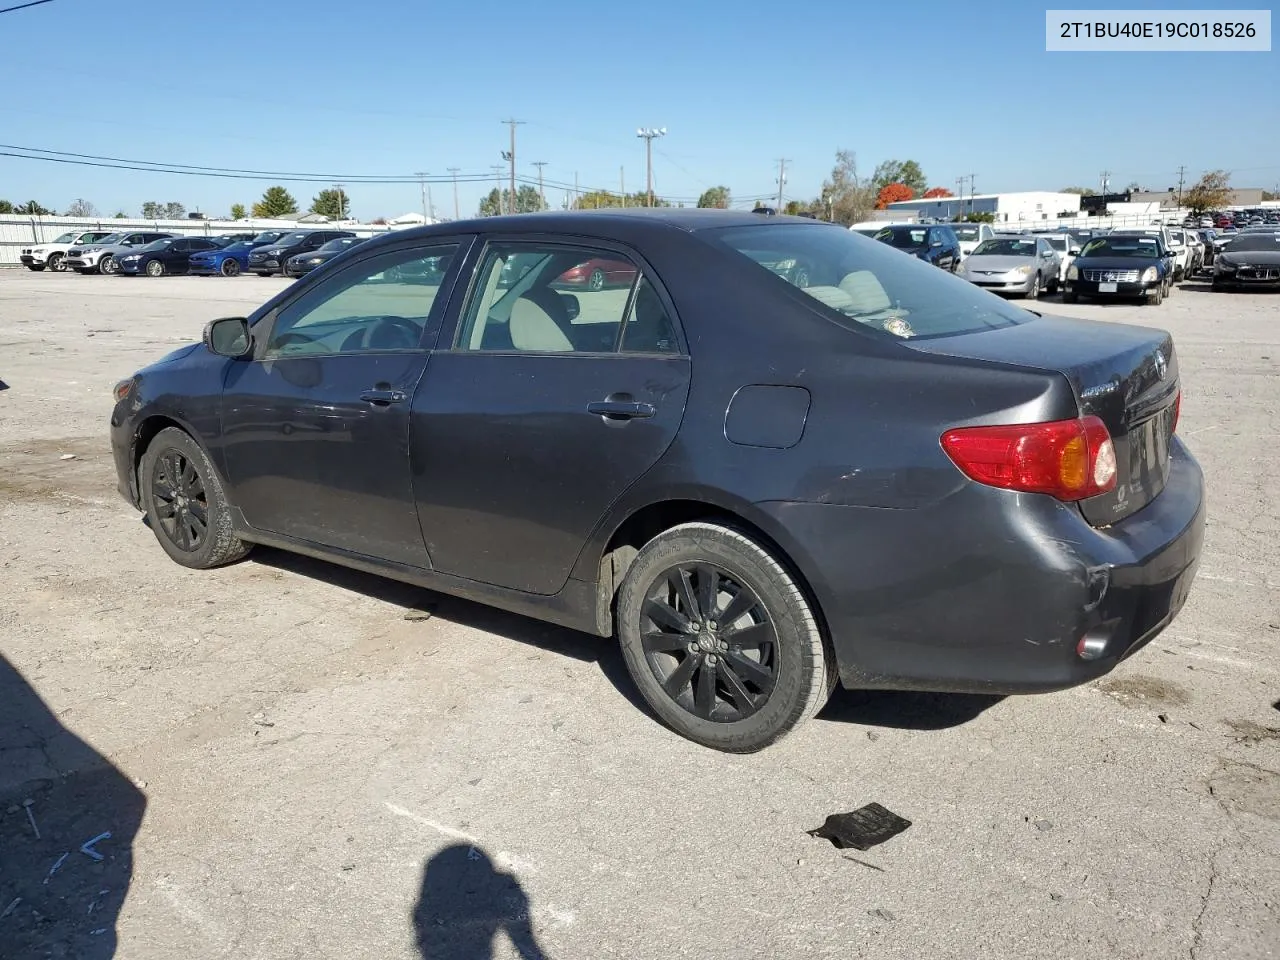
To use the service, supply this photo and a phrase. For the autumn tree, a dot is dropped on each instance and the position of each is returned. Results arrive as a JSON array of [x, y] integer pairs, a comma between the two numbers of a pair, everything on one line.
[[893, 193], [1210, 192], [333, 204], [528, 200], [906, 172], [81, 208], [846, 198], [717, 197], [934, 193], [276, 202], [238, 211]]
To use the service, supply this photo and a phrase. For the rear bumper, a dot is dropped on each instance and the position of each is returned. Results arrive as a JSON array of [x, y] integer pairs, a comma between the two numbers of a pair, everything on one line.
[[991, 592]]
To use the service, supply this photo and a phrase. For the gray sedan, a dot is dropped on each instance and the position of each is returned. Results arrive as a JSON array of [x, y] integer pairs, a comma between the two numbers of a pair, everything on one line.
[[1019, 265]]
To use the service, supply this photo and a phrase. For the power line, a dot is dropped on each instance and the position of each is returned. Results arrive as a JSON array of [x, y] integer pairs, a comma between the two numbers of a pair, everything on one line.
[[23, 6]]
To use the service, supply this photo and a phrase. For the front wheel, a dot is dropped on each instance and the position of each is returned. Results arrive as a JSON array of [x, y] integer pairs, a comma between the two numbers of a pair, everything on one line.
[[1034, 292], [107, 265], [155, 268], [720, 640], [1156, 297], [230, 268], [185, 505]]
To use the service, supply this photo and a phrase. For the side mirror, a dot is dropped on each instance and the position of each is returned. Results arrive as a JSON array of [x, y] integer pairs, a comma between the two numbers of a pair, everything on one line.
[[1074, 251], [227, 337]]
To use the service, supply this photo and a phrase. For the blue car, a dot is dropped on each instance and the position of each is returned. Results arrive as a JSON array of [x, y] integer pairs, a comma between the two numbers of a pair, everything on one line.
[[229, 261]]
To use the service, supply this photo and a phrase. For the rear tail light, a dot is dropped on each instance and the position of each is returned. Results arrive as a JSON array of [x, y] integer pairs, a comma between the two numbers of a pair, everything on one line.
[[1067, 459]]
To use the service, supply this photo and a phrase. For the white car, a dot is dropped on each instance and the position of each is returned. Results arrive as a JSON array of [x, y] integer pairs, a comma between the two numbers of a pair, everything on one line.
[[970, 235], [1065, 247], [52, 254]]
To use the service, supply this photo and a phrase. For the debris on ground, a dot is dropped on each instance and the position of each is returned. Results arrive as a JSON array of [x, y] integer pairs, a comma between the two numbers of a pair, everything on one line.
[[861, 829], [417, 613], [87, 848], [882, 914]]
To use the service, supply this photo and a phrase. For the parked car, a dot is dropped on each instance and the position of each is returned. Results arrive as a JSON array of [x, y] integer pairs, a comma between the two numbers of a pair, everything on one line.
[[679, 465], [1195, 252], [1065, 247], [99, 257], [933, 244], [303, 263], [1025, 266], [970, 235], [1121, 265], [598, 274], [1253, 263], [1209, 238], [1166, 249], [270, 258], [53, 254], [228, 261], [170, 255]]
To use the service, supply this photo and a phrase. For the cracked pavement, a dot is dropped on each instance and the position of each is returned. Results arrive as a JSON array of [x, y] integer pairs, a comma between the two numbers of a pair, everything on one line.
[[290, 768]]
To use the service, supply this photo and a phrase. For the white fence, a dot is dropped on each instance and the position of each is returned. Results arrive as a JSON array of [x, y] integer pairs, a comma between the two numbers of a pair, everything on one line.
[[18, 230]]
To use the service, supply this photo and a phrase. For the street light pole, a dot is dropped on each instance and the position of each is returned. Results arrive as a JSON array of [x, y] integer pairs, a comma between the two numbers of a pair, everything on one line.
[[649, 134]]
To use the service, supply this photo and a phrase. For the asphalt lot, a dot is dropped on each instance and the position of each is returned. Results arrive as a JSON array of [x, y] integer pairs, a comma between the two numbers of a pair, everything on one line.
[[297, 770]]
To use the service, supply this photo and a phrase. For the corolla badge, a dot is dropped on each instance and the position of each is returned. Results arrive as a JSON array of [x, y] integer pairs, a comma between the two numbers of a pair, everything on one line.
[[1162, 365]]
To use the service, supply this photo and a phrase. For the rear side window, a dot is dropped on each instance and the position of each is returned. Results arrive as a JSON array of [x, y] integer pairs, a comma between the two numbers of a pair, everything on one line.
[[864, 282]]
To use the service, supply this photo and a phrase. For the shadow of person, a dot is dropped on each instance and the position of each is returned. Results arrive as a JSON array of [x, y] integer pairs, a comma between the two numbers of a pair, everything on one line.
[[465, 903], [60, 896]]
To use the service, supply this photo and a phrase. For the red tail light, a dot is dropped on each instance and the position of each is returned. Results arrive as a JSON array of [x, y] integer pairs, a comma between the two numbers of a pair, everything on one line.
[[1067, 459]]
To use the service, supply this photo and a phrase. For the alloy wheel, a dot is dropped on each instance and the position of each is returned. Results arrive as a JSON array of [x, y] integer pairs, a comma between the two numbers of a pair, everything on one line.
[[181, 503], [710, 642]]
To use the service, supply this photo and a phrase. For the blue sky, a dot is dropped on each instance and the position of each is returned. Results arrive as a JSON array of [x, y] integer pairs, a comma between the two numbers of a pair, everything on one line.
[[395, 87]]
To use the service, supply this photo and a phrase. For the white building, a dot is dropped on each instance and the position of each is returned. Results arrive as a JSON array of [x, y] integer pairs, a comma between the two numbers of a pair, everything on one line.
[[1006, 207]]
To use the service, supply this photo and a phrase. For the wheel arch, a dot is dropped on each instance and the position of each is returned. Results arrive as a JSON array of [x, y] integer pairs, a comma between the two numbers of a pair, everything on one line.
[[147, 430], [643, 523]]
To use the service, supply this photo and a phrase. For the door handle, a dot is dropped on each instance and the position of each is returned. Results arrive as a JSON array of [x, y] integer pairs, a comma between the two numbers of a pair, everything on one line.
[[383, 397], [622, 409]]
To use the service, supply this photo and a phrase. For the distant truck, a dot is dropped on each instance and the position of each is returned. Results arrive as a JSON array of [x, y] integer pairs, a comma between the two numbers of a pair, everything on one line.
[[52, 254]]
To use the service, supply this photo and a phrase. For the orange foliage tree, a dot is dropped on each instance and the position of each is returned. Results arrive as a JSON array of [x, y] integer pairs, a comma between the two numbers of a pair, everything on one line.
[[892, 193], [937, 192]]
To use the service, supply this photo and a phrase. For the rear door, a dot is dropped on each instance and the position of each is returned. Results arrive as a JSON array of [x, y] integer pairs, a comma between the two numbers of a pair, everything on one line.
[[543, 404], [316, 424]]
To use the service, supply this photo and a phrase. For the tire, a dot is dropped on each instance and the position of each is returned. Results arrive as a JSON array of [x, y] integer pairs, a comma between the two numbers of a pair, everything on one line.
[[230, 267], [55, 263], [107, 265], [1034, 292], [154, 268], [788, 666], [1070, 296], [596, 280], [1156, 298], [174, 506]]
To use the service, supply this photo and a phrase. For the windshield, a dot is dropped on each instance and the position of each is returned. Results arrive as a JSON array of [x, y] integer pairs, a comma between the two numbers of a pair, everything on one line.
[[967, 231], [864, 283], [267, 236], [159, 244], [1057, 241], [1006, 247], [1257, 241], [903, 237], [111, 238], [292, 239], [1121, 246], [67, 238], [338, 245]]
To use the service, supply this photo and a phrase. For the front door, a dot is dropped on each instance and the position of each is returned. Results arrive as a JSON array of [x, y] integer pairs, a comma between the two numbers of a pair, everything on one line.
[[541, 411], [316, 424]]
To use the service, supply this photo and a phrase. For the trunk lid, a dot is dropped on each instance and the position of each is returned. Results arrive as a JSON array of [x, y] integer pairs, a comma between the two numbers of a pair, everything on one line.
[[1125, 375]]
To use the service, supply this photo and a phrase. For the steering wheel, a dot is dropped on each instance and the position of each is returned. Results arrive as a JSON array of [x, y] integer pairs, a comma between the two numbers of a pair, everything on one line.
[[392, 328], [301, 338]]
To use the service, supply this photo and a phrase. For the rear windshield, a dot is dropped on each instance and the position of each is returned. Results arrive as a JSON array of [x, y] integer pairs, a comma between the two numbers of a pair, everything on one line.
[[1005, 247], [863, 281], [1058, 242], [967, 231]]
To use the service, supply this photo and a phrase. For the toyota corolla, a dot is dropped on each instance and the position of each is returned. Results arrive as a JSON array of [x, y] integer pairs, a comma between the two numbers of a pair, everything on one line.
[[876, 475]]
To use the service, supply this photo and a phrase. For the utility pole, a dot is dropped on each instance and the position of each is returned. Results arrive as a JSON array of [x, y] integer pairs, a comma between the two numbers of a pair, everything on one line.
[[575, 188], [649, 134], [973, 189], [341, 198], [457, 214], [541, 193], [960, 194], [782, 178], [622, 184], [1181, 176], [497, 175], [427, 205], [510, 157], [1104, 182]]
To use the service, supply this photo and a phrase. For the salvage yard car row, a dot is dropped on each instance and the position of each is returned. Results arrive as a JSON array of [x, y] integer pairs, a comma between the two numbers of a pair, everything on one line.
[[156, 254]]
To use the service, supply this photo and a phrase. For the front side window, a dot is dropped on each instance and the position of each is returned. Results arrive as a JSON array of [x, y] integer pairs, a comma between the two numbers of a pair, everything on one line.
[[382, 303], [863, 283], [549, 298]]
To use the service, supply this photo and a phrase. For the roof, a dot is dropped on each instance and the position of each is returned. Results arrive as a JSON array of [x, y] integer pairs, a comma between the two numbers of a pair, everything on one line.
[[593, 221]]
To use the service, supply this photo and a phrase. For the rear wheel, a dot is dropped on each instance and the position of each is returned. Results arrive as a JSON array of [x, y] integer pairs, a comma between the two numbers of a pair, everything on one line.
[[185, 504], [720, 640], [596, 280], [56, 264], [230, 267]]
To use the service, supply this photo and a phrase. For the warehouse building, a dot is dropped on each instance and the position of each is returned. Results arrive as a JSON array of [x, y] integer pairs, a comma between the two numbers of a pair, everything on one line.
[[1005, 207]]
